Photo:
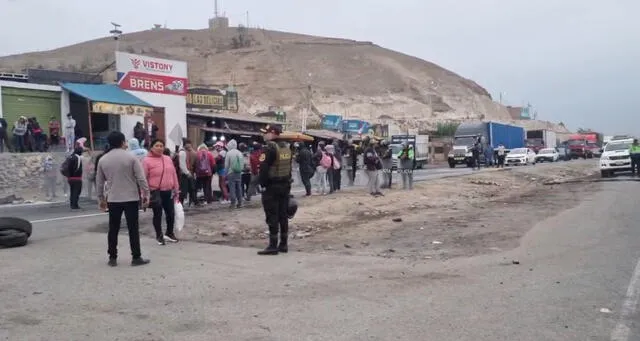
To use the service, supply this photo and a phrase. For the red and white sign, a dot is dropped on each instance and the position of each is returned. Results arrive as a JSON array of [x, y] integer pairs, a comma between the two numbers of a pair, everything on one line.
[[136, 81], [147, 74]]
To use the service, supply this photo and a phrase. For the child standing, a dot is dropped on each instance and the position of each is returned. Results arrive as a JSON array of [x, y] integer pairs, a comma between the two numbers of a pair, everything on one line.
[[50, 177]]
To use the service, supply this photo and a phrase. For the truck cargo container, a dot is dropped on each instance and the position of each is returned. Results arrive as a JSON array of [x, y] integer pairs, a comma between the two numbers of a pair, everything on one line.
[[491, 133], [540, 139], [420, 145]]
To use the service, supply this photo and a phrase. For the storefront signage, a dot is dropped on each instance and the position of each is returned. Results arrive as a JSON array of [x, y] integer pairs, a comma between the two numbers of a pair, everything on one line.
[[355, 126], [206, 99], [147, 74], [331, 121], [119, 109]]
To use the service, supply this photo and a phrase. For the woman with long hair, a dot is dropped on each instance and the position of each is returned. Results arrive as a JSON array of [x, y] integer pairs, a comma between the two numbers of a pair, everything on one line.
[[164, 186]]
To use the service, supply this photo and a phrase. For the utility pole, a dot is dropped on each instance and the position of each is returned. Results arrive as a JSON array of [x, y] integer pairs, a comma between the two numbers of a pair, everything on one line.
[[248, 20], [116, 33], [215, 10], [308, 110]]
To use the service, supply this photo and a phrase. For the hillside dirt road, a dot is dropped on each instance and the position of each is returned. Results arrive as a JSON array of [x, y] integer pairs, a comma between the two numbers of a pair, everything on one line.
[[440, 219]]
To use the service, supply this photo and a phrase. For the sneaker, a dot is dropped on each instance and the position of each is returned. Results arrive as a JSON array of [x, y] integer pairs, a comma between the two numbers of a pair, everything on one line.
[[139, 261], [112, 262], [171, 238], [160, 240]]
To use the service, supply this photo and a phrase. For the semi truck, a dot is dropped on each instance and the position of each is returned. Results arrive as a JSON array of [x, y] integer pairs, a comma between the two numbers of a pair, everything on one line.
[[420, 145], [540, 139], [586, 145], [491, 134]]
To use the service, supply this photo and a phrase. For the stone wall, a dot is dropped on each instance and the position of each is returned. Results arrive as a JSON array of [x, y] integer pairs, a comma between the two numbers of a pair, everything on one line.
[[22, 175]]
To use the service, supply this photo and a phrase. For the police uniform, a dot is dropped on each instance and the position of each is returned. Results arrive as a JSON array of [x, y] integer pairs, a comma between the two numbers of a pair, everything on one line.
[[275, 178]]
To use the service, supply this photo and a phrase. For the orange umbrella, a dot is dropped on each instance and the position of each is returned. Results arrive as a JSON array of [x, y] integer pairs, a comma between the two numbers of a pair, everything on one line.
[[295, 137]]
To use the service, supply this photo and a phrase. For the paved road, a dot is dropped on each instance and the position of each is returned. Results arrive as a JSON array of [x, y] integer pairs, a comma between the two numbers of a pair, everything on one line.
[[572, 265], [61, 210]]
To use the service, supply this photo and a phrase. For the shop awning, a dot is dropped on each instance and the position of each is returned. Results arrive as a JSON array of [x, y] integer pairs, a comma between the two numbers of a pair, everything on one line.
[[108, 93], [324, 134], [231, 131]]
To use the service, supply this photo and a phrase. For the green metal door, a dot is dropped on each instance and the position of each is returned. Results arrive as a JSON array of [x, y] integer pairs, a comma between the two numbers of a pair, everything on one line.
[[40, 104]]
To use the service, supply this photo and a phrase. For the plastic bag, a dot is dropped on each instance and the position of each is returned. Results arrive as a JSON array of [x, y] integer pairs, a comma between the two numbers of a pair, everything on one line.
[[179, 215]]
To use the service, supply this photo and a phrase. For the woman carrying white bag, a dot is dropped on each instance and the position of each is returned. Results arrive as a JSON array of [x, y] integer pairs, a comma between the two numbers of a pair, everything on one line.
[[164, 189]]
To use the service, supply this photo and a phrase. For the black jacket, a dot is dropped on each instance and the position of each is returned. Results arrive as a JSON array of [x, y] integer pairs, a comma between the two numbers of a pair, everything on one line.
[[305, 160], [75, 167]]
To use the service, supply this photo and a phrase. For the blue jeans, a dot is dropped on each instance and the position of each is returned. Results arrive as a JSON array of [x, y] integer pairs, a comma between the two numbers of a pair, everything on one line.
[[18, 143], [234, 182]]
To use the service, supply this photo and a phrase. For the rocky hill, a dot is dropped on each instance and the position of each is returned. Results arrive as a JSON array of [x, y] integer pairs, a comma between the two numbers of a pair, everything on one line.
[[274, 69]]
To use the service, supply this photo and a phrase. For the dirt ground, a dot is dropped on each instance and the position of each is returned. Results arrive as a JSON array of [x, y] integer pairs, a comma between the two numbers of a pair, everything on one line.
[[440, 219]]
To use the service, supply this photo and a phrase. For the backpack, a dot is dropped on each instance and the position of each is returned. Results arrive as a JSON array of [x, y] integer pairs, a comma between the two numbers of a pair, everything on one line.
[[325, 162], [236, 165], [203, 166], [64, 167], [336, 163]]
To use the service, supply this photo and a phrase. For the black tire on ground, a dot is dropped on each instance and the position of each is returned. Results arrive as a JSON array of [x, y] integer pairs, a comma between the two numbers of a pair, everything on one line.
[[13, 223], [605, 174], [452, 165], [14, 239]]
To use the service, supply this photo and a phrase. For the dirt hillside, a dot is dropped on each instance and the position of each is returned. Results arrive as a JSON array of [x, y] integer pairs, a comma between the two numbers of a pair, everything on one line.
[[270, 68]]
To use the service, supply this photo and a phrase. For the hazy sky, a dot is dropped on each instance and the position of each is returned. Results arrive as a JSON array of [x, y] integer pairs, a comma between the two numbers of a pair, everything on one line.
[[575, 61]]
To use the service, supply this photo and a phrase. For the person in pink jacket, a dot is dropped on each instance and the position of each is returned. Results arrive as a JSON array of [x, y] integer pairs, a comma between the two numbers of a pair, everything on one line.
[[163, 184]]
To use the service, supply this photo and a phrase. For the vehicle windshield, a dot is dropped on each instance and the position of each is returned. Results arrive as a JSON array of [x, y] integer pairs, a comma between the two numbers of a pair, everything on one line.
[[612, 147], [395, 149], [576, 142], [547, 151], [465, 141], [519, 151]]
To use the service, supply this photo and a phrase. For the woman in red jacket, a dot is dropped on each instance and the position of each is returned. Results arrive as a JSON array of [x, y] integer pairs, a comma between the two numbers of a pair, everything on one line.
[[163, 180]]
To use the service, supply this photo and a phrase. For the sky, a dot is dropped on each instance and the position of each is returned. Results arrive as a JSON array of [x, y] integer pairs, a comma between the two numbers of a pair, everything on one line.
[[574, 61]]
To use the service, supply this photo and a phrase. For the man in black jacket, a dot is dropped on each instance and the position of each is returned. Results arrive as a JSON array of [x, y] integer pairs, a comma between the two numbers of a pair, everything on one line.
[[75, 178], [305, 164]]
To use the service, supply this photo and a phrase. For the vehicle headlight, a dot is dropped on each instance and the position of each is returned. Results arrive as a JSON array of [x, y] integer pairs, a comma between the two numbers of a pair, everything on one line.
[[450, 154]]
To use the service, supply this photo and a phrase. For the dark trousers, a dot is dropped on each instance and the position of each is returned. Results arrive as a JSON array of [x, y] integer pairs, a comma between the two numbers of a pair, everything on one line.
[[18, 144], [130, 210], [501, 161], [187, 187], [306, 181], [75, 188], [204, 182], [331, 179], [475, 161], [166, 204], [275, 201], [337, 178], [635, 163], [246, 181]]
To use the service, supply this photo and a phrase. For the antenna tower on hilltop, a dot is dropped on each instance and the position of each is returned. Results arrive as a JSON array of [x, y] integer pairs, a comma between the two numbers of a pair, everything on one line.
[[215, 11]]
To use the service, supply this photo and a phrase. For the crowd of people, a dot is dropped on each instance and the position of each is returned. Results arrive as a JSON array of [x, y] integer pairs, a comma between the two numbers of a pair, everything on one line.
[[28, 136], [126, 175]]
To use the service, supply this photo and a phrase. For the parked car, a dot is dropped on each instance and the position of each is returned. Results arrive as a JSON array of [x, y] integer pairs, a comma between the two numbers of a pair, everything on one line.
[[548, 155], [521, 156]]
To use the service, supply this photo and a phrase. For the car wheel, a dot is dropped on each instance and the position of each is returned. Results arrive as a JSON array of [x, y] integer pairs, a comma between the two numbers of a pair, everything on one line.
[[452, 165], [18, 224], [13, 238]]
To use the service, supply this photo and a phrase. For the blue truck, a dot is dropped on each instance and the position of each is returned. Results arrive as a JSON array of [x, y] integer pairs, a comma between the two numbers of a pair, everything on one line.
[[491, 135]]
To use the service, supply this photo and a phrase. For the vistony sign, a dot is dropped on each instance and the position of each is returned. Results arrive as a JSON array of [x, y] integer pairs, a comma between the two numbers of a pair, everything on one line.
[[148, 74]]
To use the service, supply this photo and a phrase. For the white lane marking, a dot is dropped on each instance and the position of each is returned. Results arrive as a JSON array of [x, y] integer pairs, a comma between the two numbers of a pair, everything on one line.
[[66, 218], [622, 331]]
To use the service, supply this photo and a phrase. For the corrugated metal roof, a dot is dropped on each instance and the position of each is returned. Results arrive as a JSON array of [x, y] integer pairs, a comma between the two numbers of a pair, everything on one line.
[[109, 93]]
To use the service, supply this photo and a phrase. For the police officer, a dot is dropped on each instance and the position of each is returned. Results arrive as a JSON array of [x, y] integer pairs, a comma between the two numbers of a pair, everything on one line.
[[275, 178]]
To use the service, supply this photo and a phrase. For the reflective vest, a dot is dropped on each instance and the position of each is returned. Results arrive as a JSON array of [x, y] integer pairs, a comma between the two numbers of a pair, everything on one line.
[[634, 149], [281, 167]]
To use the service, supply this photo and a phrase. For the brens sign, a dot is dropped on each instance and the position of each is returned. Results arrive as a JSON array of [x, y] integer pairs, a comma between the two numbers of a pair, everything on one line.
[[147, 74]]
